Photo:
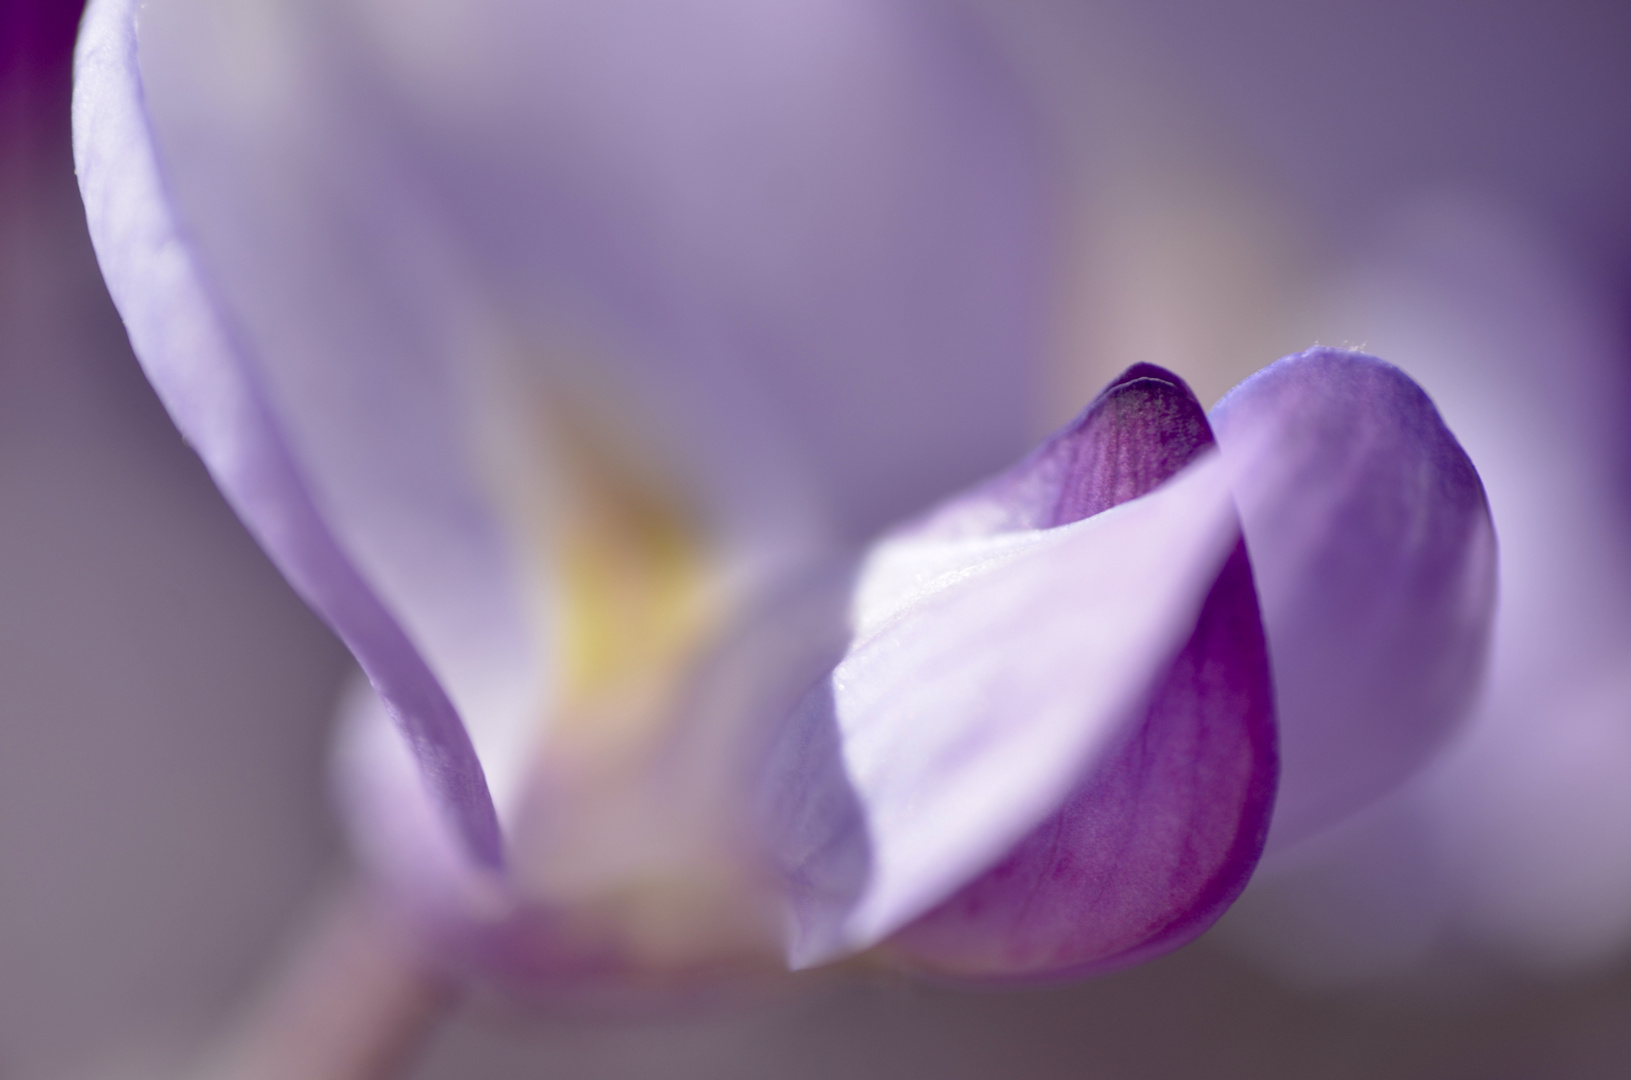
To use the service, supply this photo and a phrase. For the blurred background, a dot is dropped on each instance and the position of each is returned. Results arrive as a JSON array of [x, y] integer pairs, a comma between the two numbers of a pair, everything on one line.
[[1447, 185]]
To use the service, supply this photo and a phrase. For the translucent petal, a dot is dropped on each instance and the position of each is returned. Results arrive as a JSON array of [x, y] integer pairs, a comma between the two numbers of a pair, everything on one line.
[[199, 370], [1375, 556]]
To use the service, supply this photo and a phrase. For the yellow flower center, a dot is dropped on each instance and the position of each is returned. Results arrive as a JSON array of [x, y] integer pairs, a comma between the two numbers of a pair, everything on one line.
[[628, 833]]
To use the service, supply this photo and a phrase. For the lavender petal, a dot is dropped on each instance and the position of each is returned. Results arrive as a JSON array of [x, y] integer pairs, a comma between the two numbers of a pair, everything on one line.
[[1375, 555], [193, 361]]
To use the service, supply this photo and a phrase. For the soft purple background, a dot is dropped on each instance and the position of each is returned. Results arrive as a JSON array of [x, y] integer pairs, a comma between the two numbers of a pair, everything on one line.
[[166, 699]]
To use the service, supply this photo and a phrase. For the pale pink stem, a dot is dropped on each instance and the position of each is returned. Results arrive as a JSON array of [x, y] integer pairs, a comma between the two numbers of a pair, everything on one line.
[[351, 1000]]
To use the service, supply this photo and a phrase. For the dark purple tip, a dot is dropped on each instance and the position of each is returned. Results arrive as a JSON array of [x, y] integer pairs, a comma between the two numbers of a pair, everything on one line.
[[1141, 430]]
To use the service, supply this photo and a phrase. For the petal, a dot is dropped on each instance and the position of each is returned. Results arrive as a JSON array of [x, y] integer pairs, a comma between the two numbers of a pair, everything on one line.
[[744, 229], [347, 353], [702, 242], [199, 371], [817, 198], [1155, 844], [1375, 555], [477, 265], [1001, 669]]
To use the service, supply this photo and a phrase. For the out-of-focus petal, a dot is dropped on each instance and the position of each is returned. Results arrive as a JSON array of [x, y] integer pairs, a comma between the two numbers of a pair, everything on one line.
[[1005, 657], [727, 224], [495, 261], [811, 200], [199, 370], [1375, 556], [475, 258]]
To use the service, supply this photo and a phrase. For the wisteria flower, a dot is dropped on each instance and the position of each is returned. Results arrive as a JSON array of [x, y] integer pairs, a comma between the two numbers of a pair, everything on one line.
[[564, 355]]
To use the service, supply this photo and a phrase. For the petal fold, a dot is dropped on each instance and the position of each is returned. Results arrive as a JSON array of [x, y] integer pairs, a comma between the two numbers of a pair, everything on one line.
[[1375, 555], [1154, 844], [1024, 656]]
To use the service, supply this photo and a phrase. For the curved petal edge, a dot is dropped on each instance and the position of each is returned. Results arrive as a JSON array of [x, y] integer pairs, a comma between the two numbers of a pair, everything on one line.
[[192, 360], [1375, 554]]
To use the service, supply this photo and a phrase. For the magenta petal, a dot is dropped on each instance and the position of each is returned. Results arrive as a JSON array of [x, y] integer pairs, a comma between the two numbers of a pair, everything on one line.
[[194, 363], [1374, 552], [1155, 845], [1161, 836]]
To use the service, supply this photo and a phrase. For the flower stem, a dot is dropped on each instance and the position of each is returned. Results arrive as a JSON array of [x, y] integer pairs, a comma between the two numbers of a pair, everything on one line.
[[351, 1000]]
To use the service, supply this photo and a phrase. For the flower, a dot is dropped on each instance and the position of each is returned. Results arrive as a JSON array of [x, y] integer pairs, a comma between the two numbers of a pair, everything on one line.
[[560, 354]]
